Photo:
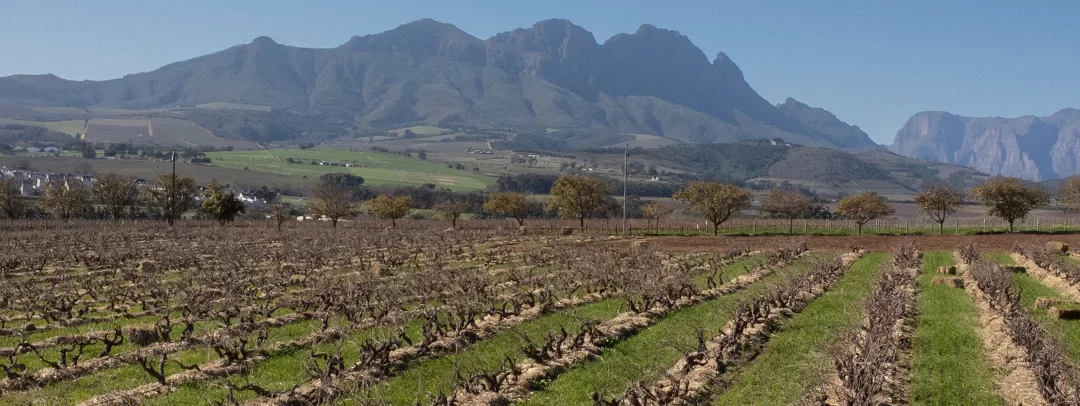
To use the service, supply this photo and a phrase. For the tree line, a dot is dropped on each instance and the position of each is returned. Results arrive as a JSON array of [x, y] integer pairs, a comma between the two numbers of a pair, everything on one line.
[[340, 196]]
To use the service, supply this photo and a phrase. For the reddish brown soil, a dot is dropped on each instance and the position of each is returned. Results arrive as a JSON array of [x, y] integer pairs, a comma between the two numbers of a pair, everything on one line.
[[997, 242]]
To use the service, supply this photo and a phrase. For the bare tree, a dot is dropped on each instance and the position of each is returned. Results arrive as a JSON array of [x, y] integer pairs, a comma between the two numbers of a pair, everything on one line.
[[117, 193], [655, 211], [332, 202], [65, 199], [280, 212], [12, 205], [939, 201], [450, 211]]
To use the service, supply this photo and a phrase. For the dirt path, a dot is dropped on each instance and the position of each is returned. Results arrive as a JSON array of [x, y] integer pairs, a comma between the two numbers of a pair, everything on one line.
[[1016, 382]]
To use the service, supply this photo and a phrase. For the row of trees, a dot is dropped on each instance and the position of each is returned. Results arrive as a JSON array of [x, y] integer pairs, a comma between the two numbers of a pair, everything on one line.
[[1006, 198], [120, 197], [572, 197]]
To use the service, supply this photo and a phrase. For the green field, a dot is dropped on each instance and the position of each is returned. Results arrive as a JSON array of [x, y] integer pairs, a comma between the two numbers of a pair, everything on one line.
[[946, 341], [69, 127], [376, 168]]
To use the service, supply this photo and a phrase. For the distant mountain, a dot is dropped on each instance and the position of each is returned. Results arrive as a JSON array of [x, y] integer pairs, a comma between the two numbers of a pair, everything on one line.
[[1028, 147], [553, 74]]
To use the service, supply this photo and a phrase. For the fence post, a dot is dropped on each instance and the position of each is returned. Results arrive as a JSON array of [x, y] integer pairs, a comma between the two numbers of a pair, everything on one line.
[[755, 226], [957, 225], [804, 226], [1036, 224], [984, 225]]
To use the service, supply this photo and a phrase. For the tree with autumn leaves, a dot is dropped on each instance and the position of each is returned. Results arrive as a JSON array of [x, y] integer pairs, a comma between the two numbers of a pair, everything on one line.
[[716, 202], [576, 197], [392, 208], [787, 204], [864, 207], [1009, 199], [513, 205], [939, 201]]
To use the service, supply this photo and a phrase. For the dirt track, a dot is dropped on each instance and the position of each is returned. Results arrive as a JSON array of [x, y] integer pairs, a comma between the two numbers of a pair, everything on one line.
[[997, 242]]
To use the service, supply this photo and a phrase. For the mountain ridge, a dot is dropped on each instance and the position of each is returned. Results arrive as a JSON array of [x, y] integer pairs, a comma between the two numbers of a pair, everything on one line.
[[552, 74], [1028, 147]]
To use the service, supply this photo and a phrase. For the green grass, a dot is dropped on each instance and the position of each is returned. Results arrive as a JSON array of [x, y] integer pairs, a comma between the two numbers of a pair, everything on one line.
[[432, 376], [701, 280], [946, 343], [69, 127], [77, 390], [648, 354], [376, 168], [999, 257], [1067, 332], [789, 365], [279, 371], [1069, 260]]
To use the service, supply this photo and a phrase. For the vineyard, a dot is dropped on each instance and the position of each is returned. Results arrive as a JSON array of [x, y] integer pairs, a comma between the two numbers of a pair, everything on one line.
[[200, 314]]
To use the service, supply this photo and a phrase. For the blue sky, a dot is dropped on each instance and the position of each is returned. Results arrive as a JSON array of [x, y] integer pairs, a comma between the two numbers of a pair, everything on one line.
[[872, 63]]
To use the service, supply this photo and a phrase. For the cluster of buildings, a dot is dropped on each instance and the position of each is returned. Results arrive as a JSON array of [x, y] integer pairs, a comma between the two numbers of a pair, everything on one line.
[[33, 184], [49, 150]]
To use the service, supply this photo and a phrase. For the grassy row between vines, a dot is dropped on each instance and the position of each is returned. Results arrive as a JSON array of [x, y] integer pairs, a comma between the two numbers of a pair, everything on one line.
[[945, 342], [794, 358]]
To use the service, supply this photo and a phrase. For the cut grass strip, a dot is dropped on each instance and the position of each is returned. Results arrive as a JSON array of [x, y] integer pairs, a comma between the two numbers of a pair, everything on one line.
[[736, 268], [115, 379], [279, 372], [130, 376], [946, 343], [788, 366], [439, 375], [1067, 332], [432, 376], [648, 354]]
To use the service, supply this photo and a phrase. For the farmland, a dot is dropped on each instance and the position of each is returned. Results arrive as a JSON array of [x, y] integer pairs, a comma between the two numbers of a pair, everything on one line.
[[69, 127], [202, 314], [376, 168], [159, 131]]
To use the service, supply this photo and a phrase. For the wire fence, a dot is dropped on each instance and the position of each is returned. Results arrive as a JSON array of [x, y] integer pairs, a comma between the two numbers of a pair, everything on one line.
[[676, 226]]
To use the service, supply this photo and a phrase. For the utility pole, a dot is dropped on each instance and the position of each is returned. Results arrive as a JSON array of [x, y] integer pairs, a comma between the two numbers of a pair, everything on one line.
[[172, 191], [626, 159]]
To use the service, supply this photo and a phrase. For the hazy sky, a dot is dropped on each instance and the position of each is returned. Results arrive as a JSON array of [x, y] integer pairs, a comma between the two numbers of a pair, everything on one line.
[[872, 63]]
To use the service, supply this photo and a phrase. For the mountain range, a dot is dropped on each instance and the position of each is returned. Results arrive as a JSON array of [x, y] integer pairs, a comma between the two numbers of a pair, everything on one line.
[[1028, 147], [551, 75]]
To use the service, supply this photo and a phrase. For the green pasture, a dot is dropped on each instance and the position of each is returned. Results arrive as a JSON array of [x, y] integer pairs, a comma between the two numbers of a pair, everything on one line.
[[376, 168]]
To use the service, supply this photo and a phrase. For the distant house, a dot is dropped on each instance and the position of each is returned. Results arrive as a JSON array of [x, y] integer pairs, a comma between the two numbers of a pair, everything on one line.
[[249, 198], [27, 188], [33, 149], [326, 163], [50, 149]]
